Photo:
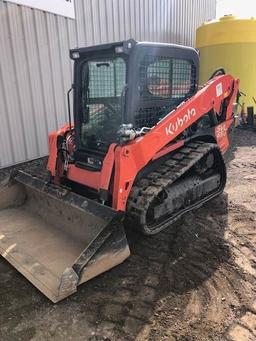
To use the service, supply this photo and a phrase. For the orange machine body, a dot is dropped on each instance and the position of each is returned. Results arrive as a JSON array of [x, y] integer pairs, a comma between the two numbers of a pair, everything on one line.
[[122, 163]]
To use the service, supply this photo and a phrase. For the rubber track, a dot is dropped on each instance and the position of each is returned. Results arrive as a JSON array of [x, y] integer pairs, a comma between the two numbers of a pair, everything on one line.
[[142, 193]]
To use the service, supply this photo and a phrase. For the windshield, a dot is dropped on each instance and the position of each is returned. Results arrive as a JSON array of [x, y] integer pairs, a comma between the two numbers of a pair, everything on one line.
[[103, 81]]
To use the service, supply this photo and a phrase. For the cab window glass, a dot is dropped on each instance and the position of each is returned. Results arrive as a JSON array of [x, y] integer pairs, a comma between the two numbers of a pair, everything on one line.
[[165, 77]]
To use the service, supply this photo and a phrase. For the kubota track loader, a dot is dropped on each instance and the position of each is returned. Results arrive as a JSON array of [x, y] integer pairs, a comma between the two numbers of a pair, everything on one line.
[[146, 146]]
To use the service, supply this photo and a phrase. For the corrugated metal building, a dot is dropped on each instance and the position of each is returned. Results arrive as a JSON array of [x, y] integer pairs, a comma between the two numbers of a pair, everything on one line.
[[35, 70]]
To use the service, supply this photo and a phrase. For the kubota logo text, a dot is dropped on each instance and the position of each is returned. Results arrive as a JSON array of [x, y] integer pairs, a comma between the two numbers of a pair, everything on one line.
[[180, 121]]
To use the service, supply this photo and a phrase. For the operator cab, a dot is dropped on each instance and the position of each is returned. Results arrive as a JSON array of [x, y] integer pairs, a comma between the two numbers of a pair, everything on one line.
[[129, 82]]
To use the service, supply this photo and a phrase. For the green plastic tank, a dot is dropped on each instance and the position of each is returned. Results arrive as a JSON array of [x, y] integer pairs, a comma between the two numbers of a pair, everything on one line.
[[229, 43]]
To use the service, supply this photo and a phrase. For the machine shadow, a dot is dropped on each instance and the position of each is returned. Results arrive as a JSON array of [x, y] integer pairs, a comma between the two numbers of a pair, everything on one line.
[[196, 240]]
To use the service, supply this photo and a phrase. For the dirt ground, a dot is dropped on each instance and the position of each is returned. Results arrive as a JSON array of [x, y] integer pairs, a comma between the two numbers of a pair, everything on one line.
[[198, 283]]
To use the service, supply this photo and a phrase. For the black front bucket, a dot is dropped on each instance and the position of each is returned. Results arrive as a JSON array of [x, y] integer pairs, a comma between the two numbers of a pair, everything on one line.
[[56, 238]]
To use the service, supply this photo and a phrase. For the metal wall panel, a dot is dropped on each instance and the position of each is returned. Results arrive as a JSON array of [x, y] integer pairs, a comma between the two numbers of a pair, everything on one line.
[[35, 70]]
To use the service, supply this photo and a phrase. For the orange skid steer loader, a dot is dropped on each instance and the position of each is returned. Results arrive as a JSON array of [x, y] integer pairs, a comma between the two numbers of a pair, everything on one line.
[[146, 146]]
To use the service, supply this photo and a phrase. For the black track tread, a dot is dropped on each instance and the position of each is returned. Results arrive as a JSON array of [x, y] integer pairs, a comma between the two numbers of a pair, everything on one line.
[[142, 192]]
